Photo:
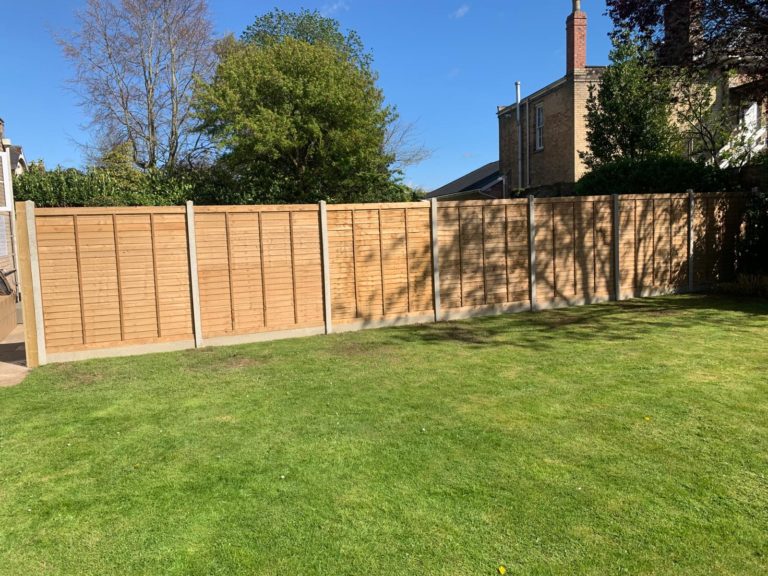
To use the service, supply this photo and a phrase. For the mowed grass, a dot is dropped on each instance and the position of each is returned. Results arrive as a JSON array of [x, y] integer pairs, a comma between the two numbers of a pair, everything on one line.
[[608, 439]]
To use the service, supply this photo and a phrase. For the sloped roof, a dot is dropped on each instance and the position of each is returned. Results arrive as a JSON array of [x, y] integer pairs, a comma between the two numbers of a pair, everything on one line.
[[17, 155], [479, 179]]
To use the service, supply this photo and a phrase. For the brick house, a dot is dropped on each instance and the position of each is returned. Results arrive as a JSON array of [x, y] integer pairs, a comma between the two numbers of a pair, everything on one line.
[[550, 125], [540, 138]]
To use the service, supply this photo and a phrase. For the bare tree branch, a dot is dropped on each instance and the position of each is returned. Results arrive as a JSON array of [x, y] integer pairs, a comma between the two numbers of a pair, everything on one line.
[[402, 143], [135, 64]]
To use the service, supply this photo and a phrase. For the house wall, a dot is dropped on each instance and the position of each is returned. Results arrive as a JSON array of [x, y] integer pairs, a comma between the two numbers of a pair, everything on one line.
[[553, 163], [2, 178], [565, 133], [6, 229]]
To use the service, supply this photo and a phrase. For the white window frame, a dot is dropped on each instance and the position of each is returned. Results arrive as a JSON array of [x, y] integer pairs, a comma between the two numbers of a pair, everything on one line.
[[538, 129]]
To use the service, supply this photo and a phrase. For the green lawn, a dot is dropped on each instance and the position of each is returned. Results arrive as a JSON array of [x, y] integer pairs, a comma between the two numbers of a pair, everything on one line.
[[609, 439]]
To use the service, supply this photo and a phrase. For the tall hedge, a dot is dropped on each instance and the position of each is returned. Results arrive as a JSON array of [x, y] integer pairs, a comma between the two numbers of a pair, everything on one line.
[[63, 187], [69, 187]]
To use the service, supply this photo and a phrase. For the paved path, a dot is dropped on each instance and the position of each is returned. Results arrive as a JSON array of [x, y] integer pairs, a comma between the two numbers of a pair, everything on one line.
[[12, 363]]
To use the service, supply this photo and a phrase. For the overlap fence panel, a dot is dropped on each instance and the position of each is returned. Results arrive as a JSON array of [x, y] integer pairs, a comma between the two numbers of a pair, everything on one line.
[[113, 281], [259, 269], [574, 250], [380, 264], [112, 277], [717, 223], [483, 255]]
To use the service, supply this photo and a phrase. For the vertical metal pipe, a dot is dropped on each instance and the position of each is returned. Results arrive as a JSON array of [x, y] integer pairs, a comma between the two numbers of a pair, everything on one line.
[[527, 144]]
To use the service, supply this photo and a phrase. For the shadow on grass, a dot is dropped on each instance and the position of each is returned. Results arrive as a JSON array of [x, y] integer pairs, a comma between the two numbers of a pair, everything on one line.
[[628, 320]]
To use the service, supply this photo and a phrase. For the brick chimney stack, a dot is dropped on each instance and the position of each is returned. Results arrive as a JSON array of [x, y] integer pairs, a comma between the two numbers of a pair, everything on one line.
[[576, 39]]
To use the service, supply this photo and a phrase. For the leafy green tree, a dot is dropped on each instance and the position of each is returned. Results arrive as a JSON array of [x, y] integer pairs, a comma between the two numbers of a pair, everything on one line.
[[299, 122], [118, 163], [310, 27], [628, 115]]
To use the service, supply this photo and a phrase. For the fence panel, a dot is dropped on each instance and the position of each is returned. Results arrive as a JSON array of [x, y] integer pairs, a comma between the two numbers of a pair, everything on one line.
[[112, 277], [654, 240], [717, 224], [574, 250], [483, 254], [259, 268], [380, 262]]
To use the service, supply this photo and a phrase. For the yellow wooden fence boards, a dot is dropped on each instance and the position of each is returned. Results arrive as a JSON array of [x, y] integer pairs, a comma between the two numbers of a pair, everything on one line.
[[118, 277]]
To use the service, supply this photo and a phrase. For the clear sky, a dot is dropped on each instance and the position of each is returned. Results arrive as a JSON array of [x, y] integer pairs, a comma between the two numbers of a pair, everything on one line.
[[445, 64]]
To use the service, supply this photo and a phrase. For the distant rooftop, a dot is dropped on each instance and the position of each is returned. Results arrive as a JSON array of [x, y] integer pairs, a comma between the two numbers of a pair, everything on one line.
[[479, 180]]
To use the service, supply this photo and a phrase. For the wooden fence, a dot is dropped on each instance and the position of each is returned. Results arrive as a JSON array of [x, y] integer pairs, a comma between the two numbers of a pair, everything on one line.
[[115, 281]]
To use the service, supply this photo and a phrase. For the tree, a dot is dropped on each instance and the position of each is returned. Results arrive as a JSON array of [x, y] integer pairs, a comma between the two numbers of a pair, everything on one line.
[[135, 63], [300, 122], [711, 35], [310, 27], [117, 160], [628, 116], [401, 141], [403, 145]]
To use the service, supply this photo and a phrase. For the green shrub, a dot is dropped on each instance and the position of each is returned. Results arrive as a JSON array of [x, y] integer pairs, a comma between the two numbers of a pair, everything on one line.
[[69, 187], [664, 174], [98, 187]]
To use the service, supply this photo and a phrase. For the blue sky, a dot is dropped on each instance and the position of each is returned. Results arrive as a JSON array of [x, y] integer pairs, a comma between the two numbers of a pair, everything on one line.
[[446, 66]]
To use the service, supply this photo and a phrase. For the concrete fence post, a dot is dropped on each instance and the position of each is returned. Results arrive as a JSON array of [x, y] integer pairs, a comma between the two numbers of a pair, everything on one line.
[[435, 258], [31, 296], [616, 247], [326, 265], [691, 212], [532, 251], [194, 281]]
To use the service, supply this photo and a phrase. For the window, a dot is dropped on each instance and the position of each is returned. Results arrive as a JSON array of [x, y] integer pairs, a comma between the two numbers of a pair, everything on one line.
[[749, 115], [539, 127]]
